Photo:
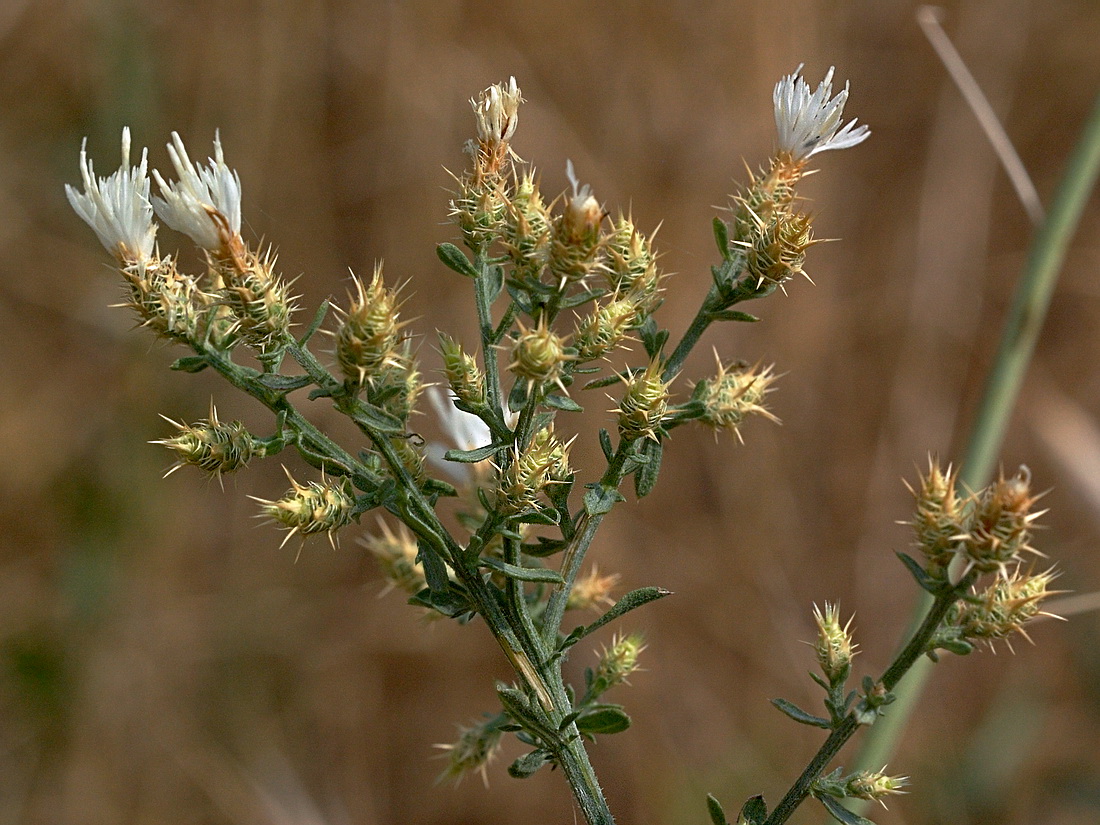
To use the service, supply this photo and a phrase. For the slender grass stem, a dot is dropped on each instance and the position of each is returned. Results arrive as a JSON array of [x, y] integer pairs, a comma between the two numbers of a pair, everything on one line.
[[1021, 331]]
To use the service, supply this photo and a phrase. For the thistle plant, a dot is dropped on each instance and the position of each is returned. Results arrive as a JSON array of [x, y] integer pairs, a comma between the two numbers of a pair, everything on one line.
[[566, 298]]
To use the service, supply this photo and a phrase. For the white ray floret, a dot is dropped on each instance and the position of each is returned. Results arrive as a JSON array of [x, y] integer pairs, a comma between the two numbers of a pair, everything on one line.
[[205, 202], [809, 123], [117, 207]]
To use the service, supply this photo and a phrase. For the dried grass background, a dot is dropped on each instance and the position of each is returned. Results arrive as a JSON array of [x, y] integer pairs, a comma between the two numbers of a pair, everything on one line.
[[162, 661]]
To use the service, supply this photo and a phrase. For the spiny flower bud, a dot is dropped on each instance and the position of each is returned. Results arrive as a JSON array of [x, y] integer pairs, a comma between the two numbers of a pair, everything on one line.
[[874, 785], [396, 555], [644, 404], [168, 303], [767, 194], [538, 354], [834, 646], [526, 230], [464, 376], [1003, 608], [316, 507], [396, 388], [475, 748], [367, 338], [599, 333], [259, 300], [575, 241], [631, 267], [617, 662], [775, 248], [938, 522], [210, 445], [999, 527], [545, 461], [734, 393], [592, 591]]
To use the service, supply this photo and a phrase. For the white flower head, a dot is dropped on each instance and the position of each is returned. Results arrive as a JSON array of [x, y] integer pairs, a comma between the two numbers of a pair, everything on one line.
[[205, 203], [497, 111], [809, 123], [464, 430], [117, 207], [582, 207]]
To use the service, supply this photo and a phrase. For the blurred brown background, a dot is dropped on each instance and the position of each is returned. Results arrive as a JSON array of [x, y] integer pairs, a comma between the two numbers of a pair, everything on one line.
[[163, 661]]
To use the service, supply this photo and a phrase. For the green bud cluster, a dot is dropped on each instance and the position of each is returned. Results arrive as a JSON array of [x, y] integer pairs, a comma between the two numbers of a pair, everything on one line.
[[369, 332], [544, 462], [644, 404], [538, 355], [475, 748], [316, 507], [526, 230], [834, 646], [168, 303], [464, 376], [396, 553], [617, 662], [604, 329], [258, 300], [631, 267], [734, 393], [212, 446]]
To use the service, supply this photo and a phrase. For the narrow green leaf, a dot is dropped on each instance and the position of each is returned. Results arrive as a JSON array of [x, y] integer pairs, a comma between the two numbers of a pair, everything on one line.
[[529, 763], [545, 547], [605, 444], [753, 812], [646, 476], [840, 813], [190, 363], [800, 715], [714, 807], [454, 258], [523, 574], [582, 298], [377, 419], [606, 719], [924, 581], [632, 600], [315, 324], [599, 500], [562, 402], [722, 237], [608, 380], [321, 392], [438, 487], [472, 456], [733, 315]]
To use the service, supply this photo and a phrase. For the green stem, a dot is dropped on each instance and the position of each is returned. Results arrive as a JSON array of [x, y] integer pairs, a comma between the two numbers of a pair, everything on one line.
[[574, 553], [1022, 327], [914, 650], [691, 337]]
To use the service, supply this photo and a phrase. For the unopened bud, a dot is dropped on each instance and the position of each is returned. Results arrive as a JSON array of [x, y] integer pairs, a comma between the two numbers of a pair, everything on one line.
[[212, 446], [575, 240], [734, 393], [999, 527], [526, 230], [545, 461], [259, 300], [396, 556], [644, 404], [599, 333], [775, 248], [617, 662], [316, 507], [592, 591], [1004, 608], [367, 338], [938, 522], [631, 267], [874, 786], [834, 646], [475, 748], [538, 355], [464, 376]]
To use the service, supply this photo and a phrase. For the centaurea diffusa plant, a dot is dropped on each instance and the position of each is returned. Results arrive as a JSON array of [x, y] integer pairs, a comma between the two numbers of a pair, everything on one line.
[[559, 290]]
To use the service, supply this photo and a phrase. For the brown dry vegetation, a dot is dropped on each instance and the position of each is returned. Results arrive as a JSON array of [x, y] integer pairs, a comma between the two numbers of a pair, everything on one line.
[[161, 660]]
